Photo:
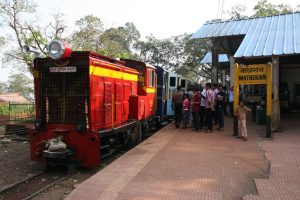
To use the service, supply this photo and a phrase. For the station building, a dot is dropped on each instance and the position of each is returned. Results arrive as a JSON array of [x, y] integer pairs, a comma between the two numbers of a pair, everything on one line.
[[272, 40]]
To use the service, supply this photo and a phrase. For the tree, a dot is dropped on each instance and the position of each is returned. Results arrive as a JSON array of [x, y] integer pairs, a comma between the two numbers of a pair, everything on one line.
[[116, 42], [2, 87], [20, 83], [237, 12], [14, 13], [132, 34], [264, 8], [88, 33], [193, 52], [161, 52], [2, 41], [177, 53], [119, 42]]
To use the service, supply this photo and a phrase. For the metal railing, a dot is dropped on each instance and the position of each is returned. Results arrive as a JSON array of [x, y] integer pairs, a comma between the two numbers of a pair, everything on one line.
[[17, 112]]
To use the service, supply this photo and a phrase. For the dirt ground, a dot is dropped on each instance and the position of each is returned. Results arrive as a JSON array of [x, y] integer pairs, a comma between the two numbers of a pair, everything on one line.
[[15, 163]]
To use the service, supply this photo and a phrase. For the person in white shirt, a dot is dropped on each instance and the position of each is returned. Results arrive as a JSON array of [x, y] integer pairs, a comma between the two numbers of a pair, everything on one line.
[[202, 108], [210, 106]]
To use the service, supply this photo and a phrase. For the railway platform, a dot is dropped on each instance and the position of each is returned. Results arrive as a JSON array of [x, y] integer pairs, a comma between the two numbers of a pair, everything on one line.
[[186, 165]]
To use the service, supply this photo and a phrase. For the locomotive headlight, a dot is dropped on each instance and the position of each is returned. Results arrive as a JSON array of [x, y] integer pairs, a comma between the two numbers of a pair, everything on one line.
[[59, 49]]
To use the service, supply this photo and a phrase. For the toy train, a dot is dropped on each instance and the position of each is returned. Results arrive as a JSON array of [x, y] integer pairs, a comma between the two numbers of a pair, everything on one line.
[[88, 105]]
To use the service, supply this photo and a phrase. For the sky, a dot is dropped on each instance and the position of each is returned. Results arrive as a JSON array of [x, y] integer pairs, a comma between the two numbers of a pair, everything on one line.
[[162, 18]]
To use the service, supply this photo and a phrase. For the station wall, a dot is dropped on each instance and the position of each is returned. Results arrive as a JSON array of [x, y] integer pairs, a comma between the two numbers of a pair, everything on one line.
[[291, 78]]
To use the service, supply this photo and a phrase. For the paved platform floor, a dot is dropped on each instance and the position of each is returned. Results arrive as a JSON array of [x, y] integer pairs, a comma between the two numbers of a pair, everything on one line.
[[283, 152], [182, 164]]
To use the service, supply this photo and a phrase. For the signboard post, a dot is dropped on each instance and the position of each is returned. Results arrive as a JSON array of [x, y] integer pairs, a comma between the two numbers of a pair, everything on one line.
[[251, 75]]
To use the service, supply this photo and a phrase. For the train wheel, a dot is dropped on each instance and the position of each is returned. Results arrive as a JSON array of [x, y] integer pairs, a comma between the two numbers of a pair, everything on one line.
[[136, 136]]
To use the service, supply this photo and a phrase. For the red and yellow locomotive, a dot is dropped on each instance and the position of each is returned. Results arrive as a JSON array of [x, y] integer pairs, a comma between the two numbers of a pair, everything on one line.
[[88, 105]]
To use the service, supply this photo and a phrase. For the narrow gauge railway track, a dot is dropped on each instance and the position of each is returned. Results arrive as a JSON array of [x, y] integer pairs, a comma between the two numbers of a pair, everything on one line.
[[33, 185], [38, 183]]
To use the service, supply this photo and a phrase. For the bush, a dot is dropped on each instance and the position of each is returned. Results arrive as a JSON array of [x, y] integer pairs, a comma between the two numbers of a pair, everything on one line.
[[4, 109]]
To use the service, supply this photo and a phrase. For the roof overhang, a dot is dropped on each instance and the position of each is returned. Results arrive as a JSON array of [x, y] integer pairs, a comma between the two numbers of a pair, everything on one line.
[[264, 36], [222, 58]]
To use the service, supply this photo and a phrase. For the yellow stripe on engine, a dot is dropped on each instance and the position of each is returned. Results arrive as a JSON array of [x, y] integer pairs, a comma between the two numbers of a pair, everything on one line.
[[104, 72], [151, 90]]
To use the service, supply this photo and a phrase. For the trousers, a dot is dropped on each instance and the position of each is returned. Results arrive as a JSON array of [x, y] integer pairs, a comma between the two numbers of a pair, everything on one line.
[[242, 127], [196, 120], [220, 112], [202, 116], [208, 118], [186, 118], [178, 114]]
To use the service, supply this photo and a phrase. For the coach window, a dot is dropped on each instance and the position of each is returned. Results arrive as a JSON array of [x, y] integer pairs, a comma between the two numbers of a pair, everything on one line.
[[172, 81]]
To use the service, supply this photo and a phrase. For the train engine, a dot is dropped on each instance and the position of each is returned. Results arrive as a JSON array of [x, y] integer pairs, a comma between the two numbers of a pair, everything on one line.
[[88, 105]]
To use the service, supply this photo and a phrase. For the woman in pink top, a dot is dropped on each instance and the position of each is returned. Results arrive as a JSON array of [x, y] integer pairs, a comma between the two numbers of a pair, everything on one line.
[[186, 111]]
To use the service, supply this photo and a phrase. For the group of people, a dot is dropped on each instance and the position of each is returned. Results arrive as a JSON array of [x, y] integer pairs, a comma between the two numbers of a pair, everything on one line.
[[201, 109]]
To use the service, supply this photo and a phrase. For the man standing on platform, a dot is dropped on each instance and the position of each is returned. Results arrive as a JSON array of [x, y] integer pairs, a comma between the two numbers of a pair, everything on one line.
[[214, 113], [202, 108], [220, 104], [230, 101], [196, 108], [209, 108], [177, 100]]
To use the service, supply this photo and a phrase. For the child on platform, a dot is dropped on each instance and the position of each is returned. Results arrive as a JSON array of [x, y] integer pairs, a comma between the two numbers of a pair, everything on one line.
[[186, 111], [241, 113]]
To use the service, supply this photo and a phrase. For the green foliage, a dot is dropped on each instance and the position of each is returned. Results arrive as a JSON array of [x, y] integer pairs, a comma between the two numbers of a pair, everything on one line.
[[4, 109], [18, 111], [19, 83], [115, 42], [86, 37], [22, 111], [264, 8], [14, 14], [193, 51], [161, 52], [3, 87], [179, 53]]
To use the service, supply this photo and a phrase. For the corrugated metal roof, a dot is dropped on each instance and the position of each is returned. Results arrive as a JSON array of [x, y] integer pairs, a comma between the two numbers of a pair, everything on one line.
[[208, 57], [264, 36]]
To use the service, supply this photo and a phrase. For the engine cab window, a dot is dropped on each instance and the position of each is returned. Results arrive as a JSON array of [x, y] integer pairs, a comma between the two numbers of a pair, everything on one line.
[[151, 78], [141, 79]]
